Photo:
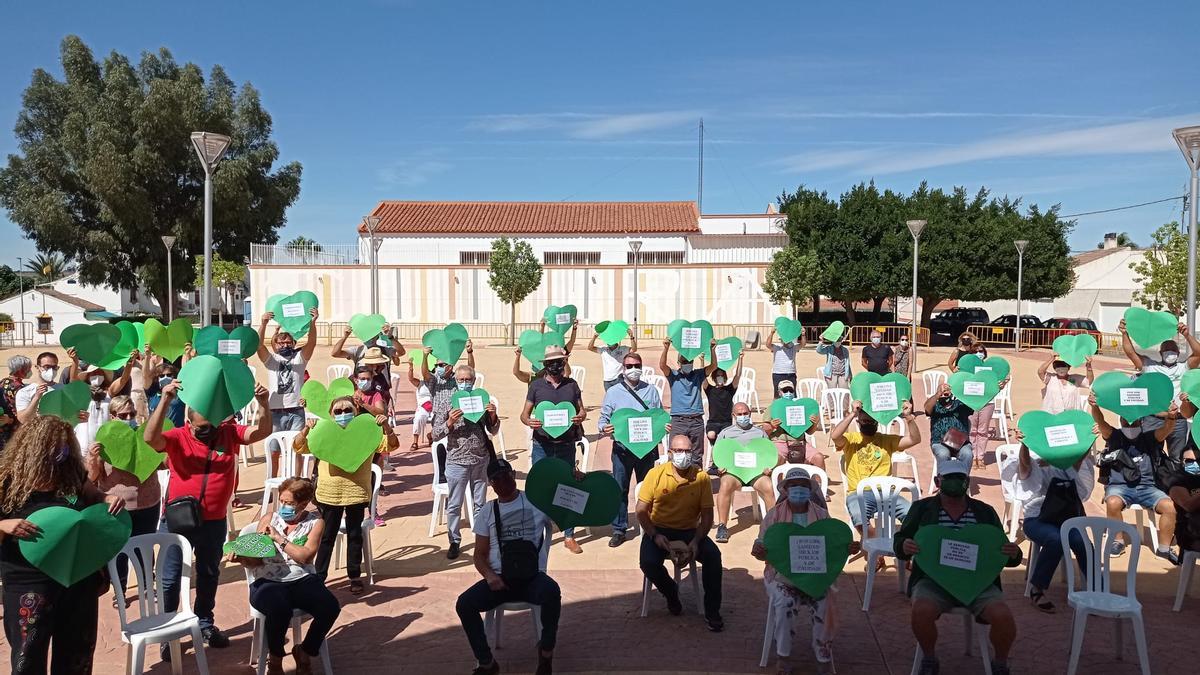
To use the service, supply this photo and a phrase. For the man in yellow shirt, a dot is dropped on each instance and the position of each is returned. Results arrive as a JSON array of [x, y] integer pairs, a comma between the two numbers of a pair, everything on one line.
[[868, 455], [675, 506]]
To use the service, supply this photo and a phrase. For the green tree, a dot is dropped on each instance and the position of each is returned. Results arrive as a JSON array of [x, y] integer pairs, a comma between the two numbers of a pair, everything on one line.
[[10, 285], [303, 242], [513, 272], [105, 166], [867, 220], [809, 213], [792, 277], [1163, 271], [47, 266], [226, 276]]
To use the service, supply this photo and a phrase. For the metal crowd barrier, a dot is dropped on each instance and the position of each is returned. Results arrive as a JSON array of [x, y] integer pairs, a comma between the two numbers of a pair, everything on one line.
[[1042, 338]]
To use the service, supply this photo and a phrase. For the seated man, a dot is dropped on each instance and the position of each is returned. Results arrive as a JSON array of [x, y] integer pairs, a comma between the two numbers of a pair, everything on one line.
[[1185, 492], [675, 505], [511, 529], [743, 431], [951, 507], [1129, 466], [793, 450], [869, 455]]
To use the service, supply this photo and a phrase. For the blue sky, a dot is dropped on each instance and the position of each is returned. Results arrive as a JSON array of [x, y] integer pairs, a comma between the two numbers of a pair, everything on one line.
[[405, 99]]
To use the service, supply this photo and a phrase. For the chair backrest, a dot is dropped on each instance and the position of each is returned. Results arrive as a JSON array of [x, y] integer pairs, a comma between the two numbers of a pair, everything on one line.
[[1083, 401], [660, 383], [821, 372], [376, 483], [835, 401], [250, 413], [1098, 534], [164, 477], [480, 378], [932, 380], [742, 396], [337, 372], [437, 463], [396, 382], [579, 374], [885, 490], [648, 372], [750, 376], [148, 569], [901, 428], [585, 449], [817, 472], [811, 387], [1006, 463], [283, 440]]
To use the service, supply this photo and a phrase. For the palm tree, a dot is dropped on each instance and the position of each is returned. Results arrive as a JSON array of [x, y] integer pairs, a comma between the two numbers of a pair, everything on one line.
[[48, 267], [304, 248]]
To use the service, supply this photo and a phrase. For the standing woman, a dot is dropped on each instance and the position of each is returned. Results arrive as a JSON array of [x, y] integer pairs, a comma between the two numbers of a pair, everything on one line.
[[42, 467], [981, 421], [141, 497], [20, 368], [719, 391]]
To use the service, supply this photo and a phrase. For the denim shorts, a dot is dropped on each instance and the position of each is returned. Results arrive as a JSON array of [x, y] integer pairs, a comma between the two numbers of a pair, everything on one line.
[[927, 589], [1145, 495]]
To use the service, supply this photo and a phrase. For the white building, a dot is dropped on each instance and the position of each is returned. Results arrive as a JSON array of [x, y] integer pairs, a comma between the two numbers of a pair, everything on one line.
[[433, 263], [67, 301]]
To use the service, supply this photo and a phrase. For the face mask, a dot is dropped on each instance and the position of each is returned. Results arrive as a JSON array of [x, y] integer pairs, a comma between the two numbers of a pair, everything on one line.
[[555, 367], [789, 395], [504, 486], [953, 487], [48, 374], [440, 371], [206, 434], [1170, 358], [465, 386], [165, 380], [720, 381], [798, 495], [904, 343], [62, 454], [1192, 467], [286, 352], [633, 374], [868, 428], [132, 423], [837, 343], [686, 369], [1131, 432], [343, 418], [743, 421], [1062, 372], [681, 460], [364, 385], [287, 512], [876, 340], [96, 381]]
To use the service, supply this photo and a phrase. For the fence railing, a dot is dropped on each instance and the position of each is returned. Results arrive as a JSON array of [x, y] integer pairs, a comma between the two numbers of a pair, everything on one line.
[[16, 333], [1042, 338]]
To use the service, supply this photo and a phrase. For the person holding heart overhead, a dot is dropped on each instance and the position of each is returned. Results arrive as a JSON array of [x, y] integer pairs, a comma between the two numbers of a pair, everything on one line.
[[783, 358], [869, 454], [1061, 389], [1168, 363], [612, 358], [979, 431], [285, 375], [803, 504]]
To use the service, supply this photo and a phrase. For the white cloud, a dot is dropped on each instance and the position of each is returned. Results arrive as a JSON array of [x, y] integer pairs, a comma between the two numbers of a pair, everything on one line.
[[409, 173], [588, 126]]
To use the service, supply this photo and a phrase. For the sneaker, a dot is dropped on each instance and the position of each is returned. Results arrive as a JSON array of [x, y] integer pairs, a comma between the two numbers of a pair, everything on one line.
[[452, 553], [616, 540], [1117, 548], [490, 669], [1169, 555], [545, 664], [715, 623], [674, 605], [929, 666], [722, 534], [379, 522], [1000, 668], [213, 637]]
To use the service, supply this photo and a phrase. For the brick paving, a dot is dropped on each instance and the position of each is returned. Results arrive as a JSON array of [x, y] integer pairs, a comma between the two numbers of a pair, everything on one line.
[[406, 622]]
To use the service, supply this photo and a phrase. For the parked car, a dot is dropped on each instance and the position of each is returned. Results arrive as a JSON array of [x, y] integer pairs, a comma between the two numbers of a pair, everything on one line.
[[1001, 328], [953, 322], [1059, 326]]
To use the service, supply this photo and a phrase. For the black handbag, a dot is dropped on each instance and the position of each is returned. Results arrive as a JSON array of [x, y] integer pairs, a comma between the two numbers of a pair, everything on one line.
[[518, 557], [1061, 502], [183, 514]]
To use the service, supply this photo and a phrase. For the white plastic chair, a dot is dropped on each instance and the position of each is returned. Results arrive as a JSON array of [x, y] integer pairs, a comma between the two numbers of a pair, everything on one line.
[[258, 639], [834, 403], [1000, 415], [155, 625], [1096, 596], [499, 429], [969, 633], [368, 524], [769, 629], [249, 418], [480, 378], [287, 464], [493, 620], [660, 383], [692, 574], [932, 379], [810, 387], [780, 471], [164, 478], [648, 372], [1014, 502], [579, 374], [337, 372], [1185, 577], [441, 494], [903, 458], [885, 490]]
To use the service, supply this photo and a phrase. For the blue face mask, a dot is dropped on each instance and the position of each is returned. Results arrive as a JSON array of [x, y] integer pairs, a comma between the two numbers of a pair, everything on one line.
[[343, 418], [1192, 467], [287, 512], [364, 385], [788, 395], [743, 421], [132, 423], [465, 386], [798, 495], [165, 380], [440, 371]]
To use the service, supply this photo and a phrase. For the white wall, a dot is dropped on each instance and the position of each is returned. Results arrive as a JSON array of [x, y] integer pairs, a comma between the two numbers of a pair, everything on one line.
[[743, 224], [62, 314], [405, 250], [117, 302]]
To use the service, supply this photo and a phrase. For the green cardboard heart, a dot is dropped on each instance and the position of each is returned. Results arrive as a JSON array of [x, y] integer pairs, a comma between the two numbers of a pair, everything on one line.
[[74, 544], [612, 332], [1075, 349], [997, 365], [747, 461], [810, 557], [475, 401], [93, 342], [640, 430], [1149, 329], [556, 428], [1147, 394], [66, 402], [690, 338], [882, 396], [251, 545], [238, 344], [787, 329], [292, 312], [317, 397], [560, 319], [168, 341], [533, 346], [125, 449], [1190, 385], [447, 343], [1059, 439], [794, 415], [367, 326], [346, 448], [963, 562], [834, 332], [728, 350], [215, 388], [130, 342], [976, 390], [551, 486]]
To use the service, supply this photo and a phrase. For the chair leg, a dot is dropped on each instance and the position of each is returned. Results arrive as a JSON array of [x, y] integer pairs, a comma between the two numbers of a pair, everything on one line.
[[326, 662], [295, 630], [968, 633], [696, 588], [871, 559], [535, 614], [1139, 635], [201, 656], [918, 655], [1185, 581], [254, 630], [768, 635], [901, 575], [1118, 639], [137, 657], [262, 650], [176, 648], [1077, 640], [433, 515], [645, 596], [369, 554], [496, 624], [337, 551]]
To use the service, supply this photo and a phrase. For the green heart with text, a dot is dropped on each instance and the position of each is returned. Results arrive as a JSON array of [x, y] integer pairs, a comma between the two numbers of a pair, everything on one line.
[[788, 330], [556, 428], [640, 431], [690, 338], [240, 343], [293, 312], [975, 390], [317, 397], [963, 562], [796, 552], [476, 400], [794, 415], [551, 486], [216, 388], [996, 365], [1147, 394], [1059, 439], [1150, 329], [728, 350], [252, 545], [447, 343], [560, 319], [346, 448], [612, 332], [367, 326], [747, 461], [168, 341], [533, 346], [882, 396], [66, 402], [72, 545], [1075, 349], [125, 449]]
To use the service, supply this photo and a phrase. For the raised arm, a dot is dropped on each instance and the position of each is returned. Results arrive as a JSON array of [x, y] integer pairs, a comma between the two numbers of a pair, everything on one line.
[[1193, 346], [339, 348], [632, 340], [152, 431], [310, 345], [662, 358], [425, 363], [1024, 461], [1045, 367], [770, 338], [412, 379], [521, 375], [470, 354], [263, 354], [592, 343], [737, 371], [1098, 417], [571, 342], [1161, 433], [912, 436], [712, 358], [149, 368], [838, 434], [122, 380], [263, 429], [1127, 347]]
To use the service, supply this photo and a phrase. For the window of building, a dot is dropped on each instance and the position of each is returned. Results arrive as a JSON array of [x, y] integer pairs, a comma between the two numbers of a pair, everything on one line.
[[657, 257], [474, 257], [571, 258], [133, 295]]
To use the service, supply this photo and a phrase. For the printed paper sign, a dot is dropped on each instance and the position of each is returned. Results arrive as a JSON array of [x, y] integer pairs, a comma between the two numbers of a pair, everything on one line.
[[641, 430], [1135, 396], [562, 318], [292, 309], [883, 396], [572, 499], [808, 554], [724, 352], [973, 388], [959, 554], [556, 418], [796, 416], [471, 404], [982, 369], [229, 347], [1061, 435], [745, 460], [690, 338]]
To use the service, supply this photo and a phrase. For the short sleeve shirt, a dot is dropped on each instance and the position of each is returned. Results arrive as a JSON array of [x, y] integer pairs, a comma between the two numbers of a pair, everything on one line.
[[868, 456], [952, 414], [685, 391], [186, 459], [783, 358], [1175, 372], [519, 519], [674, 503], [284, 379], [567, 391], [877, 358], [612, 360], [24, 396]]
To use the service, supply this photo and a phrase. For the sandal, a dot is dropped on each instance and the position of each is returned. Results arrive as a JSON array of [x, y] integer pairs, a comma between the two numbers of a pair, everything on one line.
[[413, 447], [1038, 598], [356, 586]]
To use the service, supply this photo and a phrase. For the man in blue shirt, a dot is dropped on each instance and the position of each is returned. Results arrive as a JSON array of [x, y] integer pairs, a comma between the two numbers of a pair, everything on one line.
[[687, 404], [629, 392]]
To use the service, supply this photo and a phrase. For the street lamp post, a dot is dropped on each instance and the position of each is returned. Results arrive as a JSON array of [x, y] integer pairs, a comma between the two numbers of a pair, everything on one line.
[[169, 241], [21, 286], [210, 148], [1188, 139], [635, 246], [1020, 244], [372, 225], [915, 227]]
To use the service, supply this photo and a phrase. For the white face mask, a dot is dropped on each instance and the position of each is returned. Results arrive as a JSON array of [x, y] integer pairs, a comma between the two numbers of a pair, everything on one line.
[[634, 374], [876, 340], [1170, 358], [48, 374], [681, 460], [96, 380], [904, 343], [1062, 372]]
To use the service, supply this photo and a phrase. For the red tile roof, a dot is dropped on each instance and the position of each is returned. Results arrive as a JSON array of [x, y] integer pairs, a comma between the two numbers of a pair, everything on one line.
[[1092, 256], [405, 217], [85, 305]]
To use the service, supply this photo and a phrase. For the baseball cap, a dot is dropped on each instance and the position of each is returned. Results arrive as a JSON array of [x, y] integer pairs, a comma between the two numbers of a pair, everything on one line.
[[554, 352], [497, 467], [788, 384], [796, 473], [952, 465]]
